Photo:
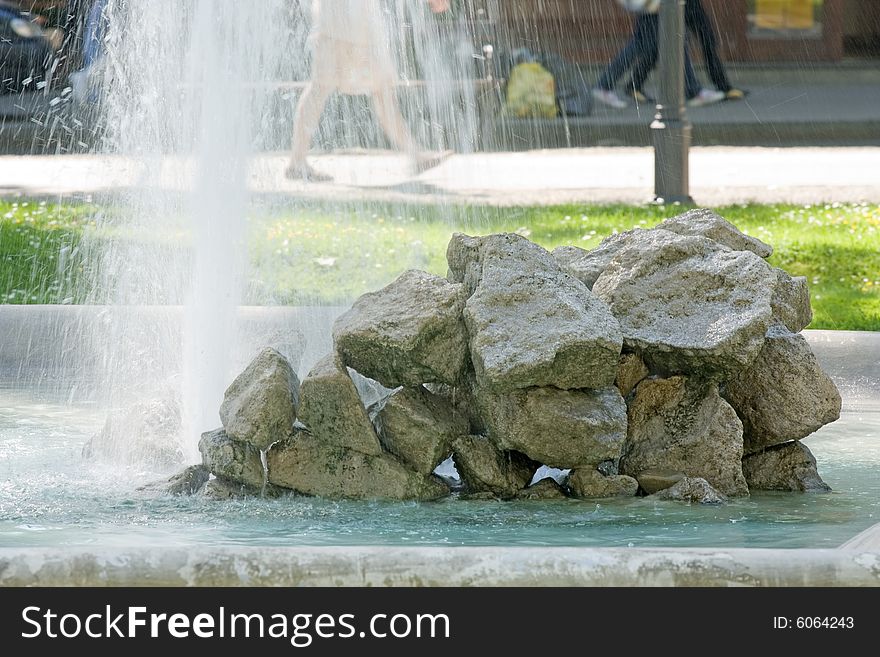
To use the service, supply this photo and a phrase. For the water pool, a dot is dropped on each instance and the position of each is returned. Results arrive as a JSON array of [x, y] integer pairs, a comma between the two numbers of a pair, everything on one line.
[[50, 497]]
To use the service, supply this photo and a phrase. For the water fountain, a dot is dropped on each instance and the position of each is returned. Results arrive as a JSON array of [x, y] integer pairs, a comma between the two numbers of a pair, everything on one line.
[[192, 109]]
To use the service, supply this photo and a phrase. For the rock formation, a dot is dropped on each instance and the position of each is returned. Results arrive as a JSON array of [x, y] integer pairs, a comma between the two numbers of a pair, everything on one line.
[[665, 362]]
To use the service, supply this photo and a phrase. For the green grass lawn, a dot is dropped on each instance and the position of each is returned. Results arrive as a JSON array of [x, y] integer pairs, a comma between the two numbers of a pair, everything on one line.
[[330, 254], [40, 251]]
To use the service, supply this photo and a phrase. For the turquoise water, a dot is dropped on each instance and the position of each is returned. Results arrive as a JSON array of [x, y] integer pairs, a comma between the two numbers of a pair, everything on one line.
[[50, 497]]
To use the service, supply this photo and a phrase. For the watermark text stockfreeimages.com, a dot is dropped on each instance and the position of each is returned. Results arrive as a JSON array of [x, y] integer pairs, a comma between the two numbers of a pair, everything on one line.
[[300, 629]]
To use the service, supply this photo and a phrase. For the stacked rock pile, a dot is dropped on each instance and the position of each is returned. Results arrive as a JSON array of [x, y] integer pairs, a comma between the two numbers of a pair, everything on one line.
[[666, 361]]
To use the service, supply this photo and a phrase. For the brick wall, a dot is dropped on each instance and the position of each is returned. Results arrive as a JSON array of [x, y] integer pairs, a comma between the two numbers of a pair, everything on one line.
[[593, 30]]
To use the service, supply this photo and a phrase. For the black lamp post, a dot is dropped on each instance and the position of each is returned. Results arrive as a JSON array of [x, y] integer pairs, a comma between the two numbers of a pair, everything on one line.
[[672, 130]]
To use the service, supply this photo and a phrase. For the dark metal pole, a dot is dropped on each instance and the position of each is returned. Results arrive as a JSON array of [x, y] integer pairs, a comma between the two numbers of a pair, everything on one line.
[[672, 130]]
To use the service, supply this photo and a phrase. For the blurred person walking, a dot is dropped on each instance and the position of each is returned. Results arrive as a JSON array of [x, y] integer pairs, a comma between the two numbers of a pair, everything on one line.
[[351, 54], [698, 22], [640, 55]]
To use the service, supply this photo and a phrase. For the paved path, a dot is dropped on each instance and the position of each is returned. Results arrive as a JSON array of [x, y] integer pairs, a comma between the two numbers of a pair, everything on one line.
[[831, 106], [719, 175], [789, 105]]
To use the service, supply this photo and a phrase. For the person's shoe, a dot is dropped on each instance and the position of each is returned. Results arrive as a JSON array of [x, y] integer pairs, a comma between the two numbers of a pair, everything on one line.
[[306, 173], [609, 98], [424, 161], [640, 98], [735, 94], [706, 97]]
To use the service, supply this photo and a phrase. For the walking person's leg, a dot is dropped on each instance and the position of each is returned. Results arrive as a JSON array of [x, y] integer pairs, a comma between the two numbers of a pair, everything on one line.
[[305, 122], [623, 60], [698, 22], [392, 122], [628, 57], [697, 95], [692, 86], [647, 35]]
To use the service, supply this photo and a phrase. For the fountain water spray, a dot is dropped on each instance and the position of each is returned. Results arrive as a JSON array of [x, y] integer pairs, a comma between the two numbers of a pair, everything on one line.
[[190, 97], [182, 99]]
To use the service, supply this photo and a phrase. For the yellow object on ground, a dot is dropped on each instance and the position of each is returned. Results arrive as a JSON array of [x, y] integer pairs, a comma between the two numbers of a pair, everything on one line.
[[531, 92]]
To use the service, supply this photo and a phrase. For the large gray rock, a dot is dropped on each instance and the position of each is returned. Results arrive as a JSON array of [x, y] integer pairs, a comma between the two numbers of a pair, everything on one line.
[[693, 490], [586, 483], [231, 459], [485, 468], [631, 370], [587, 266], [653, 480], [546, 489], [418, 427], [784, 395], [791, 301], [462, 400], [530, 324], [608, 467], [790, 466], [464, 255], [221, 489], [559, 428], [682, 424], [187, 482], [408, 333], [705, 223], [689, 304], [311, 466], [147, 434], [333, 411], [261, 404], [791, 297]]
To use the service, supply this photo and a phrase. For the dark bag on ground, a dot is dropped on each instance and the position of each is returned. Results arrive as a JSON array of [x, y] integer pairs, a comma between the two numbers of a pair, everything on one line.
[[572, 87]]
